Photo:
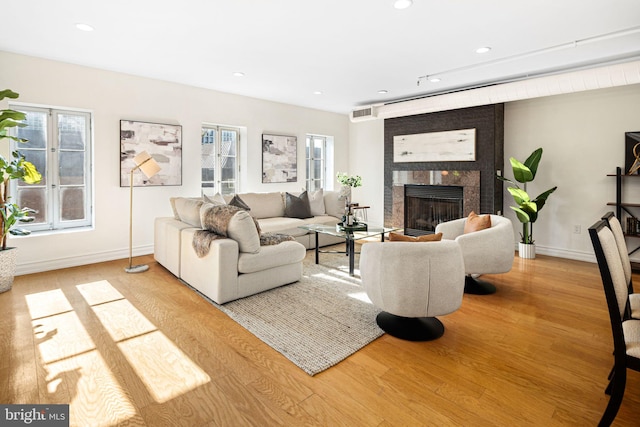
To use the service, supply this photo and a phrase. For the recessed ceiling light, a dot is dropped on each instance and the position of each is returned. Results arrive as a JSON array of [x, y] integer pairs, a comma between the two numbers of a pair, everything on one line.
[[238, 74], [483, 49], [84, 27], [434, 79], [317, 92], [402, 4], [383, 91]]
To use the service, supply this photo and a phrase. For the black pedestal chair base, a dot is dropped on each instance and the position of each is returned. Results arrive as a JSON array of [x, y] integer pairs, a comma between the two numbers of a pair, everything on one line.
[[474, 286], [410, 328]]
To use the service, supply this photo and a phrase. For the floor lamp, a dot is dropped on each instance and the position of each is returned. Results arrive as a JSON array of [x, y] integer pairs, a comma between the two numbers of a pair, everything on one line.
[[149, 168]]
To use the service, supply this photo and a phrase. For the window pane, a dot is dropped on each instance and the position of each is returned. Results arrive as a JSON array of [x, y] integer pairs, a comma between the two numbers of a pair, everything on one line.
[[36, 130], [229, 169], [228, 144], [71, 167], [228, 187], [71, 131], [38, 158], [207, 175], [34, 198], [208, 136], [318, 145], [307, 147], [317, 169], [72, 203]]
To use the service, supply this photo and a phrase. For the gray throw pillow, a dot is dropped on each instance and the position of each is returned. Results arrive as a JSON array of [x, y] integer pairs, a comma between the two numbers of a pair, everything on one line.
[[297, 207], [238, 202]]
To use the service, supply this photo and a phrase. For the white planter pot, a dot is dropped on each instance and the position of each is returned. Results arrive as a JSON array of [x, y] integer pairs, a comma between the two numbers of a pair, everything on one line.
[[7, 268], [527, 251]]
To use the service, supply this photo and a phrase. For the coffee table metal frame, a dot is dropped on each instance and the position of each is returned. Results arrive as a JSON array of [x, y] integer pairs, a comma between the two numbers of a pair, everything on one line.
[[349, 236]]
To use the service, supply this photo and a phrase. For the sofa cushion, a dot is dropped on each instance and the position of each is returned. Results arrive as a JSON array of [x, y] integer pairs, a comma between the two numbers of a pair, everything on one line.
[[283, 225], [316, 202], [297, 207], [187, 210], [264, 205], [271, 256]]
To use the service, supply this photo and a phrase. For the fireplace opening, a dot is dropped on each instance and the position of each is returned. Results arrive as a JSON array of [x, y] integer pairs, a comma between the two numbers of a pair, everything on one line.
[[426, 206]]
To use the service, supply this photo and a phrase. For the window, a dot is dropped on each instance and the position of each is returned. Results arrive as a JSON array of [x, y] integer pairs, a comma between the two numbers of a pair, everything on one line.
[[220, 163], [316, 148], [59, 146]]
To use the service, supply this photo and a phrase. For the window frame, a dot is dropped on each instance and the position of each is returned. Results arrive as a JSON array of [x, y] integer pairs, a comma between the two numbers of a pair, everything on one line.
[[52, 187], [309, 159], [217, 176]]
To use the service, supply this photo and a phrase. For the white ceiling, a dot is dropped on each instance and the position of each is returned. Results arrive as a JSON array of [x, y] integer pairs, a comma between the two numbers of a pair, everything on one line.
[[347, 49]]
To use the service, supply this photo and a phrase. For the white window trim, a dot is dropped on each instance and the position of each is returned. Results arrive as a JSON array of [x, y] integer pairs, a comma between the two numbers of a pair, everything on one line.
[[54, 224]]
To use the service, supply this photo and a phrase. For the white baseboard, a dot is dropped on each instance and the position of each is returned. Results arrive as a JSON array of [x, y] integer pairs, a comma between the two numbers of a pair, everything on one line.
[[565, 253], [75, 261]]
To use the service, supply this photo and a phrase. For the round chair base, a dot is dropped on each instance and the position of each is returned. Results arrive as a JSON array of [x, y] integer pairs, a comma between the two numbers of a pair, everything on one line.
[[474, 286], [410, 328]]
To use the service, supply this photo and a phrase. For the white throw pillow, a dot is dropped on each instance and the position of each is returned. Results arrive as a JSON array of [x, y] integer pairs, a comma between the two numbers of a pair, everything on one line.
[[316, 202], [243, 230], [216, 199]]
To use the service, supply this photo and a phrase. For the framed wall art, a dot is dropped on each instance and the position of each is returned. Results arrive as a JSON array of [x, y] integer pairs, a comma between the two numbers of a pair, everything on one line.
[[162, 141], [279, 158], [448, 146]]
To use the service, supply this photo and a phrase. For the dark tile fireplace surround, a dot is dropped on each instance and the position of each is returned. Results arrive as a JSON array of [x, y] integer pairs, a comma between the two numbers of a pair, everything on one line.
[[481, 191]]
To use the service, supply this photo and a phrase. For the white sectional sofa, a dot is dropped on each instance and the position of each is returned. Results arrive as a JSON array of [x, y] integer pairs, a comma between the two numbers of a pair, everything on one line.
[[230, 271]]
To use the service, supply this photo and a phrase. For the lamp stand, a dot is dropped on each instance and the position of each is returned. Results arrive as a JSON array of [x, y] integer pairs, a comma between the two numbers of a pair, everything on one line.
[[132, 268]]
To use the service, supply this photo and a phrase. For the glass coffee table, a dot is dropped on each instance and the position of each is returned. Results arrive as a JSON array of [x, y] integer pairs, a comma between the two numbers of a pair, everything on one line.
[[350, 236]]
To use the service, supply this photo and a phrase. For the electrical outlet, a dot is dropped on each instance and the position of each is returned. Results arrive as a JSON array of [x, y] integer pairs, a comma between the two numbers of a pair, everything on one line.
[[577, 229]]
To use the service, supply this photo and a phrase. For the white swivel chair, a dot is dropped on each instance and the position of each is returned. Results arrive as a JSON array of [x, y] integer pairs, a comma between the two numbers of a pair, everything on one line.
[[488, 251], [413, 282]]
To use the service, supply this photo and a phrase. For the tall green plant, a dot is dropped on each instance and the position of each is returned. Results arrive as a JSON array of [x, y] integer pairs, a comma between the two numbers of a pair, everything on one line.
[[527, 210], [15, 167]]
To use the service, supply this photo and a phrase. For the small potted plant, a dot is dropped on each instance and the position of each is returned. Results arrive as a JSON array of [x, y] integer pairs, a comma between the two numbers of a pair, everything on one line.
[[527, 209], [13, 167], [348, 182]]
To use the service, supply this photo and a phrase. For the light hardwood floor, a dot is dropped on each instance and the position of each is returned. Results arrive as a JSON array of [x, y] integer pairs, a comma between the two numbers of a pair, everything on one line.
[[143, 349]]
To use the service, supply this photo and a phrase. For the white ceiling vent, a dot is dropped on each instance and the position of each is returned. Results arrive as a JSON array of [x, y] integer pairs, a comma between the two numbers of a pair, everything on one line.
[[364, 113]]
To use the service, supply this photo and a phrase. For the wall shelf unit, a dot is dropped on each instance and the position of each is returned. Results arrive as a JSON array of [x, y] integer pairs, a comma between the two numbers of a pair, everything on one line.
[[628, 214]]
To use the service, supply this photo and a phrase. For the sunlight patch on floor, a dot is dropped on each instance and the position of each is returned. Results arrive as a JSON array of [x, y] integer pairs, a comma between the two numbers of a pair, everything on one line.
[[163, 368], [47, 303], [362, 296]]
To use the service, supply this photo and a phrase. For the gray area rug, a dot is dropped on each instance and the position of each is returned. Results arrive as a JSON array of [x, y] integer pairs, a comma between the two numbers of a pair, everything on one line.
[[316, 322]]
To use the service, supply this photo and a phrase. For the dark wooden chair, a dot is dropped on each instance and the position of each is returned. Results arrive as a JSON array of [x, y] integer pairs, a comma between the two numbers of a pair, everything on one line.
[[626, 332], [633, 308]]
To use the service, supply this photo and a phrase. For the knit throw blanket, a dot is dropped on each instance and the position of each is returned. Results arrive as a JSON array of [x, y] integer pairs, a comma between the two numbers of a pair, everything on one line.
[[215, 224]]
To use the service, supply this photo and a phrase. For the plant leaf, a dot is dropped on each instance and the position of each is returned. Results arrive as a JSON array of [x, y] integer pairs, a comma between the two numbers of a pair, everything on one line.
[[519, 195], [521, 172], [523, 217], [8, 93], [532, 162]]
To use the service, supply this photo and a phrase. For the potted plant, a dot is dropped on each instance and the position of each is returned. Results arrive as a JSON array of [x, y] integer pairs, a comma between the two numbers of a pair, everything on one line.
[[527, 209], [348, 182], [13, 167]]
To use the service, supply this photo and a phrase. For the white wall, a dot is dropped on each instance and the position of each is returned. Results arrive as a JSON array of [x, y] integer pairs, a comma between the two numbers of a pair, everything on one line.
[[582, 135], [114, 96]]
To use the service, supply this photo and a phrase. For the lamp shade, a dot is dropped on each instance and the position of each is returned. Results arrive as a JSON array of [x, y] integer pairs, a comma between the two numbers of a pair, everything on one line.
[[146, 164]]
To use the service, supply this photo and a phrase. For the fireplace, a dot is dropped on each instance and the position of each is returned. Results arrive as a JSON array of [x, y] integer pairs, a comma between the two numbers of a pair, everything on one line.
[[426, 206]]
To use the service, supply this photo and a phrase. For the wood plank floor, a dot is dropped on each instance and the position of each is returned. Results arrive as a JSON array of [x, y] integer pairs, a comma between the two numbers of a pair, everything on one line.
[[143, 349]]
